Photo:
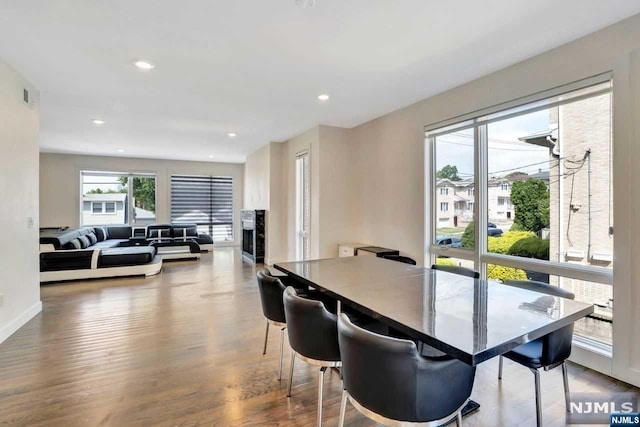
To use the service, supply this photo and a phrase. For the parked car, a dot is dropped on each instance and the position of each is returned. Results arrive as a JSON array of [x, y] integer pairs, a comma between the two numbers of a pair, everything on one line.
[[491, 225], [452, 242], [494, 232]]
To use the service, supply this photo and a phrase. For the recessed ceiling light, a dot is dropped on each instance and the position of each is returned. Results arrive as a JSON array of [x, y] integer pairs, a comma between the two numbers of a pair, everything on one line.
[[211, 157], [97, 122], [232, 135], [144, 64], [323, 97], [120, 150]]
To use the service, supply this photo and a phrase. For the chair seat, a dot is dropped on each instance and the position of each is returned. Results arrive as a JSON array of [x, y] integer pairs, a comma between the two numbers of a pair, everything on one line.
[[529, 354]]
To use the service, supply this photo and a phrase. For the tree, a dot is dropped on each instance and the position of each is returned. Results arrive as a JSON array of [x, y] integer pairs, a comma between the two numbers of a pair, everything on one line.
[[448, 172], [530, 199], [468, 237], [144, 191]]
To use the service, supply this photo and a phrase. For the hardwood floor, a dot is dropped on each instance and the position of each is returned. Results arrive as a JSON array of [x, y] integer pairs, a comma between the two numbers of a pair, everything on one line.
[[184, 348]]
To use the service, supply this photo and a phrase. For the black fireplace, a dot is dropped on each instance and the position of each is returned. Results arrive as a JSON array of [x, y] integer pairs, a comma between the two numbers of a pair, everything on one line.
[[253, 234]]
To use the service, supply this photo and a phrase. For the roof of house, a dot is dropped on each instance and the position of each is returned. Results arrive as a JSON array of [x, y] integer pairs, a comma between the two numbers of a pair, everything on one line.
[[104, 197]]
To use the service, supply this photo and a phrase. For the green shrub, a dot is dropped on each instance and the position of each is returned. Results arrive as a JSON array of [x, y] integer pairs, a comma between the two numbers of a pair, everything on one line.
[[531, 247], [502, 244], [499, 272], [516, 227], [468, 237], [445, 261]]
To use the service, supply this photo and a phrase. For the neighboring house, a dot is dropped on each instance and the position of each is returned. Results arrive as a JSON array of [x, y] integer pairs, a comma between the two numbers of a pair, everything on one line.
[[104, 209], [581, 212], [456, 201]]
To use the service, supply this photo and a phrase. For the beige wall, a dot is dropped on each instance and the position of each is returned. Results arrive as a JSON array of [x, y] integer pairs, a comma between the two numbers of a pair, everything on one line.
[[60, 184], [19, 127], [336, 198], [257, 179], [331, 191]]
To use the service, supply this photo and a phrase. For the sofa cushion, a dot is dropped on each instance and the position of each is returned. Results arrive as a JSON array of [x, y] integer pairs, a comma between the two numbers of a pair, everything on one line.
[[118, 232], [92, 238], [72, 244], [157, 231], [101, 233], [184, 230], [84, 242], [120, 257], [205, 239], [111, 243]]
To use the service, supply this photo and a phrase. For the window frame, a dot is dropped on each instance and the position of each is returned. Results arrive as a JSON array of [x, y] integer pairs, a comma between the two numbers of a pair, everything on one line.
[[130, 208], [479, 122]]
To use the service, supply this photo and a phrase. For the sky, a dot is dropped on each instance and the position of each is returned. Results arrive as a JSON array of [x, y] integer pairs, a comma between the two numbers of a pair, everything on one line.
[[506, 153]]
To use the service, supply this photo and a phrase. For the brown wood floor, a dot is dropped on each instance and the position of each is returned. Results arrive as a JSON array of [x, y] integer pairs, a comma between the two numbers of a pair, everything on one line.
[[184, 348]]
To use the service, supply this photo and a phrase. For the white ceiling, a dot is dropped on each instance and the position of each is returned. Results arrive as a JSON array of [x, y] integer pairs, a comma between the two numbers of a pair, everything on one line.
[[256, 67]]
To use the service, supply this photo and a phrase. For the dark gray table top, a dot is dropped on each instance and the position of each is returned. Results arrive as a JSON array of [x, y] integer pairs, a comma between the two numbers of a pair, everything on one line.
[[472, 320]]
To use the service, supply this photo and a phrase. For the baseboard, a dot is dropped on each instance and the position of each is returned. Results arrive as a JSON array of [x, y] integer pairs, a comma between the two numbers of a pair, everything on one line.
[[20, 321]]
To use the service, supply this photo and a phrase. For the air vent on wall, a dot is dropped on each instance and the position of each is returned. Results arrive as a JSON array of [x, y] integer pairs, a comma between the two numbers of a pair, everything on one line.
[[25, 95]]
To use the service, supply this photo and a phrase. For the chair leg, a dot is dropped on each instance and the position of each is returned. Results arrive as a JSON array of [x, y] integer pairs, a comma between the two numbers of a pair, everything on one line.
[[459, 419], [565, 379], [343, 408], [320, 387], [536, 376], [281, 344], [266, 336], [500, 368], [293, 359]]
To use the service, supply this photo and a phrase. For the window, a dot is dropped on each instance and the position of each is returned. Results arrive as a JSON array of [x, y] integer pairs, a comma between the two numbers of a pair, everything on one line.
[[470, 206], [454, 167], [113, 198], [545, 193], [206, 201]]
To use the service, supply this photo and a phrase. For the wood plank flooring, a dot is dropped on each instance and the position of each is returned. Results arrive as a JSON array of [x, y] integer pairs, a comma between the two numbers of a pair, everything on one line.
[[184, 348]]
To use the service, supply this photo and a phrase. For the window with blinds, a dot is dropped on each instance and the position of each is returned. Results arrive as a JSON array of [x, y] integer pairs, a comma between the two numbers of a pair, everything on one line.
[[206, 201]]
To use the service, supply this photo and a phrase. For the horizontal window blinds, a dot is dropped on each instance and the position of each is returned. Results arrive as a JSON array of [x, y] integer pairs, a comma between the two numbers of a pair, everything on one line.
[[206, 201]]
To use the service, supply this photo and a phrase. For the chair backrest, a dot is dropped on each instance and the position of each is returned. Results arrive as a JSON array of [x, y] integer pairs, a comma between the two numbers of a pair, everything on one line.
[[312, 330], [556, 346], [400, 258], [456, 269], [271, 290], [389, 377]]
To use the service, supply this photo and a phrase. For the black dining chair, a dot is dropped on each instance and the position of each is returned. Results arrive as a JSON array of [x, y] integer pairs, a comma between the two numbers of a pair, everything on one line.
[[271, 291], [400, 258], [456, 269], [547, 352], [313, 336], [388, 381]]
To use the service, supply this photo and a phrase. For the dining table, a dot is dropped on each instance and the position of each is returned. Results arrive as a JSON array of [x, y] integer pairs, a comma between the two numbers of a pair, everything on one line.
[[472, 320]]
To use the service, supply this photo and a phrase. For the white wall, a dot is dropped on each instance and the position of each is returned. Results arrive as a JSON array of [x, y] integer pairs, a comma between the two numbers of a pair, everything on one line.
[[19, 127], [60, 184]]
